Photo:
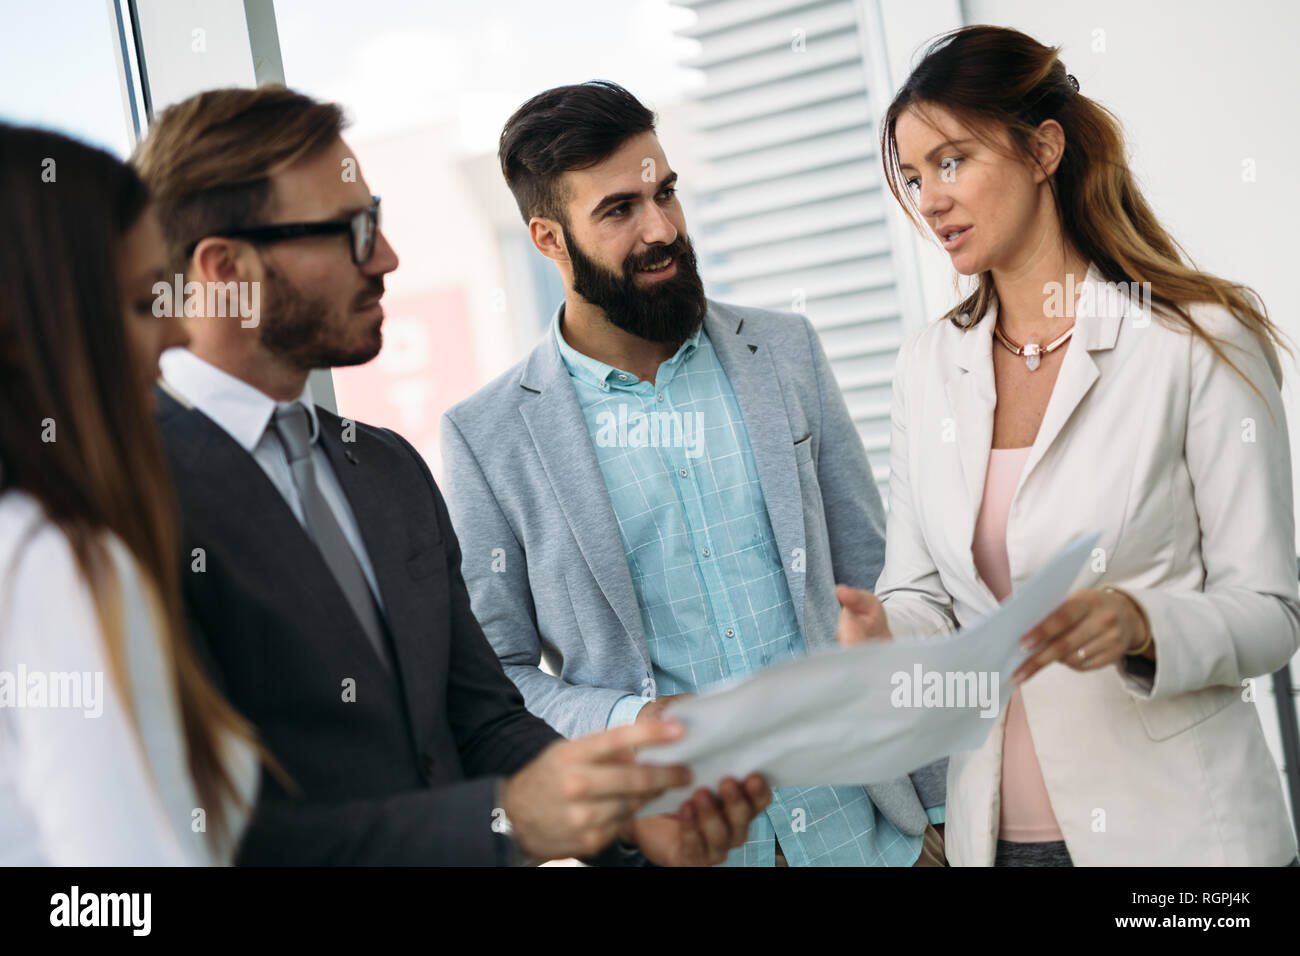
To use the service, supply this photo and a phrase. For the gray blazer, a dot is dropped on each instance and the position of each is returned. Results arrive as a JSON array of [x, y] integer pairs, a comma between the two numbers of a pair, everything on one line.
[[543, 559]]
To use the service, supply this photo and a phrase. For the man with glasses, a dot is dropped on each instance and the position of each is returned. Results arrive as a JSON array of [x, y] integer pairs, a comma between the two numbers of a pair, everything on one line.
[[361, 227], [321, 572]]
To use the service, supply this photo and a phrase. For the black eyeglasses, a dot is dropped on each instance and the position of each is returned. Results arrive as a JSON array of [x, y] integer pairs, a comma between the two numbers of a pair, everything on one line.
[[362, 226]]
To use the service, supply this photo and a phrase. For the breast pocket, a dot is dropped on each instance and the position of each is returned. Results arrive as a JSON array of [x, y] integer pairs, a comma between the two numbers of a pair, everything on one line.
[[593, 620], [427, 562], [430, 577]]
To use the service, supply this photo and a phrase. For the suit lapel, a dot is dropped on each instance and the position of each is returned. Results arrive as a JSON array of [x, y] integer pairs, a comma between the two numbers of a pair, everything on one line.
[[220, 469], [559, 433], [215, 462], [972, 394], [758, 389], [971, 400], [1096, 328], [384, 533]]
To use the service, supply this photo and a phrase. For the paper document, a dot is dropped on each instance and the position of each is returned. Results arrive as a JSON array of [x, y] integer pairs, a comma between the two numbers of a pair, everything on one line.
[[868, 713]]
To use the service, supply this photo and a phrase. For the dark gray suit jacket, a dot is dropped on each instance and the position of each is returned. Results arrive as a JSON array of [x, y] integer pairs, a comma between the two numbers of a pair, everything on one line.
[[406, 774]]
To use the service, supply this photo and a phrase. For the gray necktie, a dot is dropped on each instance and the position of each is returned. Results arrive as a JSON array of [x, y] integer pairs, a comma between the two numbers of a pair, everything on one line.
[[294, 428]]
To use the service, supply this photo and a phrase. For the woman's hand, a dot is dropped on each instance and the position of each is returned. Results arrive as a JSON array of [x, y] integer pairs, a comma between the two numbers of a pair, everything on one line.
[[1090, 630], [862, 616]]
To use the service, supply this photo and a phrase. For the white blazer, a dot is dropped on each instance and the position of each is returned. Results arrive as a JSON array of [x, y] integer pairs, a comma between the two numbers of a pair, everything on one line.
[[1186, 472]]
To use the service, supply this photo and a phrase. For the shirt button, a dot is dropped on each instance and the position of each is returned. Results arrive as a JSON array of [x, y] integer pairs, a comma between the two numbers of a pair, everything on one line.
[[729, 632], [682, 472], [706, 552], [659, 397], [622, 377]]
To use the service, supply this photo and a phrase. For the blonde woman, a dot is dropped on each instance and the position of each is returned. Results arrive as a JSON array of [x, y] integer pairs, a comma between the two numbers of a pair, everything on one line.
[[1092, 381]]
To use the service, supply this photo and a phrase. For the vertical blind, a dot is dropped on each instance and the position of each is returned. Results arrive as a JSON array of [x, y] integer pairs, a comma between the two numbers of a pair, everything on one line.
[[789, 213]]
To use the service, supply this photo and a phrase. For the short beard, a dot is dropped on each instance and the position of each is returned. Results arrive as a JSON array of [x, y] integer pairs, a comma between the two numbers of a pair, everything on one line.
[[299, 328], [667, 313]]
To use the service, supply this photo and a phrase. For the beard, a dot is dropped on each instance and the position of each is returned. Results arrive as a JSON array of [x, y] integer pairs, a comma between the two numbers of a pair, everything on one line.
[[666, 313], [305, 331]]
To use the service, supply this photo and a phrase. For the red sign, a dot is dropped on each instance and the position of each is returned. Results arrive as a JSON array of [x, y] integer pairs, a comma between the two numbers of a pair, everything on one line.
[[427, 364]]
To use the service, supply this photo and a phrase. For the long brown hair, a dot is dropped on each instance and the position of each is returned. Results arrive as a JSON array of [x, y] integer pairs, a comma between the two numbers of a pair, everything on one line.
[[65, 356], [994, 78]]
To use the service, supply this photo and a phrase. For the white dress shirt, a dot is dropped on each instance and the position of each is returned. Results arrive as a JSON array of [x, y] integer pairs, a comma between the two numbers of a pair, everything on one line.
[[244, 413], [78, 785]]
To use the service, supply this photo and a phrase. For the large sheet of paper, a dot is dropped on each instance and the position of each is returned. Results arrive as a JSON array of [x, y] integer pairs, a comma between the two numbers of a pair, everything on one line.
[[867, 713]]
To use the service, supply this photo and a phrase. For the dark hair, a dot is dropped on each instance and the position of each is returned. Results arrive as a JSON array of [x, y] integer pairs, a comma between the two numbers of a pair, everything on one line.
[[995, 79], [209, 159], [569, 127], [65, 356]]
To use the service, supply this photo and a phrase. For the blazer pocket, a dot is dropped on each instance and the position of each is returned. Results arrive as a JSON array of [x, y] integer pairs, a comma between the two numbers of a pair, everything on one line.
[[803, 449], [427, 563], [1165, 717], [591, 614]]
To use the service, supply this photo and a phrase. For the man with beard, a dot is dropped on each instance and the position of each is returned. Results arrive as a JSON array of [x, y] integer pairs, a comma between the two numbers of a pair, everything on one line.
[[321, 571], [665, 492]]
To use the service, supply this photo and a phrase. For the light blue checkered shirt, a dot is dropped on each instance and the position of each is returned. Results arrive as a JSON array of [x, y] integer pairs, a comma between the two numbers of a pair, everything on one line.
[[714, 599]]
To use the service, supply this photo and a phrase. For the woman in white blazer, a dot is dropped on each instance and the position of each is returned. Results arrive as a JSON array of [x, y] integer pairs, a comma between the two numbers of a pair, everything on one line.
[[114, 748], [1058, 399]]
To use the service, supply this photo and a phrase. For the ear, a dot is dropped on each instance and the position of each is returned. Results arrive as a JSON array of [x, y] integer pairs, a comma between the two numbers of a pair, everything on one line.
[[548, 238], [224, 260], [1049, 147]]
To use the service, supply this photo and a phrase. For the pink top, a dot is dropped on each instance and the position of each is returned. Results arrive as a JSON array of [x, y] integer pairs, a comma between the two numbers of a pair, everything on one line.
[[1026, 815]]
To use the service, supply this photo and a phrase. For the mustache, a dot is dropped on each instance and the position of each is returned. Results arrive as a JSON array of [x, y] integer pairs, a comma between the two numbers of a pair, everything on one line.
[[374, 290], [673, 250]]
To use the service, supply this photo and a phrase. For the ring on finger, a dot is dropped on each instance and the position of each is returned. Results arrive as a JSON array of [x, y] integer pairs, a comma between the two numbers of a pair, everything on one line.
[[1084, 656]]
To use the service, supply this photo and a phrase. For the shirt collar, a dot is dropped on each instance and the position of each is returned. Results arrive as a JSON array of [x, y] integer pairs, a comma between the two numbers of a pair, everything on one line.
[[594, 372], [241, 410]]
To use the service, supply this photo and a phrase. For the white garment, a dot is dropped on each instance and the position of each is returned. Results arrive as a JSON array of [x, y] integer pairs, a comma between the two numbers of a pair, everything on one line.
[[244, 413], [1152, 440], [78, 789]]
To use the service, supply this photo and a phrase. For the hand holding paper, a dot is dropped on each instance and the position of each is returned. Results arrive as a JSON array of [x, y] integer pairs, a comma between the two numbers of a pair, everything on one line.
[[862, 616], [868, 713]]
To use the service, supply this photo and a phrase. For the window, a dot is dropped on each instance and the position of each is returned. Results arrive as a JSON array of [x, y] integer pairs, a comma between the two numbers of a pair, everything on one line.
[[63, 69], [427, 96]]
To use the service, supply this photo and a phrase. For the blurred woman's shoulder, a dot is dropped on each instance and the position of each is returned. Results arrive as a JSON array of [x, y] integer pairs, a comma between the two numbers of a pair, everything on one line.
[[29, 540], [48, 616]]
